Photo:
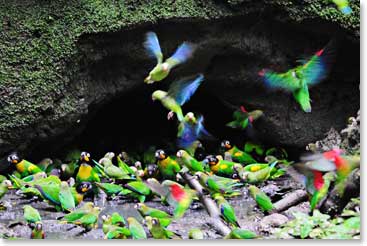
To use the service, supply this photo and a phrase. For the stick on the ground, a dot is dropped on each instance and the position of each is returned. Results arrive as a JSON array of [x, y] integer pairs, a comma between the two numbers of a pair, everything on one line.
[[208, 203], [290, 200]]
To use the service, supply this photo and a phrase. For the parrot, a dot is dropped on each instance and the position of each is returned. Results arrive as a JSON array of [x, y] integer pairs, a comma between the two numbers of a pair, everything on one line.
[[79, 191], [237, 233], [178, 94], [66, 197], [217, 184], [237, 154], [261, 198], [136, 229], [89, 220], [334, 160], [112, 171], [226, 210], [117, 219], [168, 168], [123, 165], [343, 6], [157, 230], [78, 213], [139, 189], [258, 176], [2, 178], [37, 232], [24, 167], [34, 177], [112, 190], [220, 167], [298, 79], [4, 187], [86, 173], [196, 233], [274, 173], [178, 197], [163, 217], [114, 229], [31, 215], [68, 170], [43, 164], [196, 145], [243, 118], [253, 147], [190, 129], [50, 192], [152, 171], [162, 69], [184, 159]]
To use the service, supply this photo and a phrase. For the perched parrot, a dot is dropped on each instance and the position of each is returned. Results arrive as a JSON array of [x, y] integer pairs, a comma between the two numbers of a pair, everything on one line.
[[4, 187], [140, 190], [68, 170], [168, 168], [226, 210], [157, 230], [192, 149], [190, 129], [112, 171], [162, 69], [220, 167], [24, 167], [343, 6], [86, 172], [258, 176], [43, 164], [79, 191], [237, 154], [31, 215], [34, 177], [298, 79], [75, 215], [123, 165], [196, 233], [114, 229], [243, 118], [163, 217], [178, 94], [66, 197], [261, 198], [112, 190], [136, 229], [184, 159], [253, 148], [152, 171], [89, 220], [178, 197], [217, 184], [37, 231], [237, 233]]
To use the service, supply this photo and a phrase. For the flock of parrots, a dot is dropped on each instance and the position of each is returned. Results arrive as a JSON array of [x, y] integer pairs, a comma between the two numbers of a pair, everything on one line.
[[158, 175]]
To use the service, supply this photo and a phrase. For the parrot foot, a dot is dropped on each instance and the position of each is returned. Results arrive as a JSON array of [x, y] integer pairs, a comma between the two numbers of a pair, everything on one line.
[[170, 115]]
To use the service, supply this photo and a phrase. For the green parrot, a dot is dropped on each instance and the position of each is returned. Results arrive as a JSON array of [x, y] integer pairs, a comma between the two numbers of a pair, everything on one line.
[[237, 233], [112, 171], [31, 215], [157, 230], [163, 217], [196, 233], [191, 149], [258, 176], [237, 154], [217, 184], [162, 69], [261, 198], [227, 212], [185, 159], [113, 229], [4, 187], [136, 229], [79, 191], [43, 164], [68, 170], [254, 148], [89, 220], [34, 177], [244, 119], [178, 197], [274, 173], [66, 197], [2, 178], [220, 167], [23, 167], [140, 190], [298, 79], [37, 232], [343, 6], [168, 168], [50, 192], [123, 166], [178, 94], [78, 213], [112, 190]]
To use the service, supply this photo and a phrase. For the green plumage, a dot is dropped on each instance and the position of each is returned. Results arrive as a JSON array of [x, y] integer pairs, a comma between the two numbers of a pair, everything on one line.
[[66, 197], [163, 217], [136, 229], [261, 198], [31, 215], [226, 210], [184, 159]]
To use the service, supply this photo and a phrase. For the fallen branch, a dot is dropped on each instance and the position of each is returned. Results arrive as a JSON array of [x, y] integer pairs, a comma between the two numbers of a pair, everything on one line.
[[208, 203], [290, 200], [334, 204]]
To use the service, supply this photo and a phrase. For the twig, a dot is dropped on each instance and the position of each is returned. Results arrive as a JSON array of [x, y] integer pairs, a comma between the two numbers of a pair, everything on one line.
[[208, 203], [290, 200]]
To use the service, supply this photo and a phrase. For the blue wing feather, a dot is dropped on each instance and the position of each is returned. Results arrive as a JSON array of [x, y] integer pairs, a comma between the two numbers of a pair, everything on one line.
[[182, 90], [192, 132], [182, 54], [152, 46]]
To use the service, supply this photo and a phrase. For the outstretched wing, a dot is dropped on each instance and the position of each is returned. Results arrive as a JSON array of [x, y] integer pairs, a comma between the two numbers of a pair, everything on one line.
[[286, 81], [200, 130], [182, 54], [152, 45], [182, 90]]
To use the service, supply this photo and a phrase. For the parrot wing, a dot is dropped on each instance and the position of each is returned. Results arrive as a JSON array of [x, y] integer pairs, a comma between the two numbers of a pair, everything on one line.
[[182, 90], [181, 55], [303, 98], [264, 202], [283, 81], [152, 46], [318, 162]]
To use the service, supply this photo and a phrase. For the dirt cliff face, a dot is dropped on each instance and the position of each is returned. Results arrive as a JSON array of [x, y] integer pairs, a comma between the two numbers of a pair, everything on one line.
[[70, 71]]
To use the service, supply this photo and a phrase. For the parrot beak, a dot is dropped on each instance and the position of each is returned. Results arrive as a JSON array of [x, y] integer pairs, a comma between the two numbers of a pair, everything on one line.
[[84, 189], [148, 80], [165, 67], [14, 161], [86, 158], [162, 156]]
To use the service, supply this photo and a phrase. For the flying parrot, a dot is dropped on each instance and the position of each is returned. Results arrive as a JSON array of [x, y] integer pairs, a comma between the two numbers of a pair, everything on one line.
[[24, 167], [227, 212], [168, 168], [178, 94], [237, 154], [163, 217], [298, 79], [136, 229], [178, 197], [261, 198], [243, 118], [343, 6], [184, 159], [162, 69]]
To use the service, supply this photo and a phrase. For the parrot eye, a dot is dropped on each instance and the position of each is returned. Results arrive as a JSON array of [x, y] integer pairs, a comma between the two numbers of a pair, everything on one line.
[[154, 221]]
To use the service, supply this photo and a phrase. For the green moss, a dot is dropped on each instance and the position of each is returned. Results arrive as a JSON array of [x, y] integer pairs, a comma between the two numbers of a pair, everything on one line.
[[38, 39]]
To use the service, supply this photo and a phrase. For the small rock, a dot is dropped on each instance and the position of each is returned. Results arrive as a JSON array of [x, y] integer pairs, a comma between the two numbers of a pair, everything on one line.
[[303, 207], [268, 223]]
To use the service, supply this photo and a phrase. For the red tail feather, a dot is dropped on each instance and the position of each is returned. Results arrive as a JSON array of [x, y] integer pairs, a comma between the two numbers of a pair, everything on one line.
[[319, 53], [318, 180]]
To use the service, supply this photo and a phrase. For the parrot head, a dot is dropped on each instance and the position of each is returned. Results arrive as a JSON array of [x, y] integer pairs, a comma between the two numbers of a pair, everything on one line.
[[84, 187], [13, 158], [138, 165], [7, 183], [165, 67], [212, 160], [38, 226], [160, 154], [152, 168], [180, 153], [226, 145], [190, 117], [148, 79], [139, 206], [85, 156], [158, 95]]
